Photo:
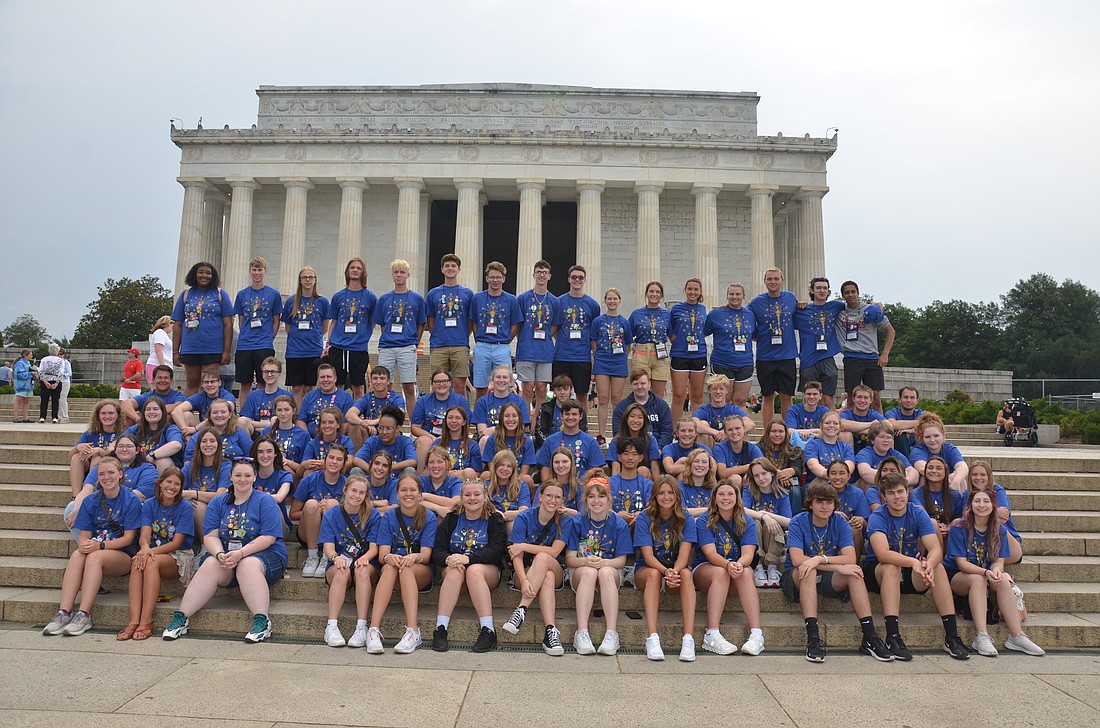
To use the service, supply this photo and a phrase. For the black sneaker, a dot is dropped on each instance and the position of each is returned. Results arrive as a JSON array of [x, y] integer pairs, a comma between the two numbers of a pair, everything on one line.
[[439, 639], [551, 643], [954, 646], [876, 649], [486, 640], [815, 650], [897, 648]]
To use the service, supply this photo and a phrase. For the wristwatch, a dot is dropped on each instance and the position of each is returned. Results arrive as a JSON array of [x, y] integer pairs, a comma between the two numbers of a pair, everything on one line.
[[102, 545]]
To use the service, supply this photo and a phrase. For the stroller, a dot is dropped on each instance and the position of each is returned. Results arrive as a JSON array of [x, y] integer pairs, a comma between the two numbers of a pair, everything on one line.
[[1026, 428]]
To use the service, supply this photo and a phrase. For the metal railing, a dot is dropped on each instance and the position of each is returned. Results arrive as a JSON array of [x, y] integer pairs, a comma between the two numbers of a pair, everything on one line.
[[1044, 388]]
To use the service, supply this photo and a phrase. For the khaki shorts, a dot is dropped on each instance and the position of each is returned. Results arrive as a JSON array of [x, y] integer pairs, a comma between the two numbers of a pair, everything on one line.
[[455, 360], [645, 358]]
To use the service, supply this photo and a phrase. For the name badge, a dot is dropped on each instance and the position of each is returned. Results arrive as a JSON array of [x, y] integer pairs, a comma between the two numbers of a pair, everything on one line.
[[350, 328], [693, 347], [396, 328], [304, 325], [256, 323], [851, 335], [617, 349], [822, 345], [437, 430], [539, 334], [235, 546], [450, 323], [192, 323], [491, 329], [777, 339], [662, 349], [574, 334], [738, 347]]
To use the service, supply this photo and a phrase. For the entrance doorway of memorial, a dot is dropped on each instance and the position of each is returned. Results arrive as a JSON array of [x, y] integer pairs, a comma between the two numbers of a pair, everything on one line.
[[559, 241]]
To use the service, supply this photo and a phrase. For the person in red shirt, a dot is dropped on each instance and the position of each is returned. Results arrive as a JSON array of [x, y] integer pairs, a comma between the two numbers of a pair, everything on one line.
[[131, 376]]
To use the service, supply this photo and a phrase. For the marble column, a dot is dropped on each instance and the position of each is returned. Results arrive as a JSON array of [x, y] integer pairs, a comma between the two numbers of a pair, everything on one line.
[[191, 226], [649, 239], [350, 238], [530, 228], [213, 228], [706, 241], [813, 231], [467, 225], [294, 232], [408, 224], [421, 270], [797, 278], [589, 228], [238, 242], [762, 241], [779, 234]]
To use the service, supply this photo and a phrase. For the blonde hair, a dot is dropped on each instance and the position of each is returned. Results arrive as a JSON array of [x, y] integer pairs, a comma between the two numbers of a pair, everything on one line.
[[161, 323], [400, 264]]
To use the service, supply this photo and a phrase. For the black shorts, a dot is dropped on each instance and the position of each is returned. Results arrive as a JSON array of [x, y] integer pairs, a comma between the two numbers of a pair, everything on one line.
[[740, 374], [825, 372], [351, 366], [789, 583], [685, 364], [248, 364], [200, 360], [863, 371], [579, 372], [302, 372], [776, 376], [871, 580]]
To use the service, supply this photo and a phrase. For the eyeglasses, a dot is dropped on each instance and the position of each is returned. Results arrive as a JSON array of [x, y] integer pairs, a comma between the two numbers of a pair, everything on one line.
[[441, 381], [385, 428], [270, 372], [549, 497], [308, 278]]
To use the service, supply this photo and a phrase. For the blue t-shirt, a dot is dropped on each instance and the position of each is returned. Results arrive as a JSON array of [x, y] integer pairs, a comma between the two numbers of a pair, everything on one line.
[[540, 313], [948, 452], [772, 502], [304, 338], [613, 339], [494, 316], [653, 452], [463, 454], [429, 411], [335, 530], [165, 522], [526, 455], [259, 405], [201, 317], [799, 418], [724, 454], [650, 325], [102, 440], [469, 536], [488, 407], [174, 396], [816, 326], [724, 539], [353, 319], [869, 456], [274, 482], [827, 540], [200, 401], [903, 533], [399, 315], [235, 445], [527, 529], [292, 441], [694, 496], [775, 326], [676, 451], [140, 476], [503, 503], [608, 539], [850, 415], [386, 491], [629, 495], [402, 448], [716, 416], [958, 503], [107, 518], [370, 405], [209, 479], [586, 451], [1002, 502], [449, 307], [451, 486], [315, 400], [390, 532], [975, 551], [663, 546], [687, 324], [575, 335], [171, 433], [245, 522], [826, 453], [853, 502], [317, 448], [731, 333], [259, 309], [316, 487]]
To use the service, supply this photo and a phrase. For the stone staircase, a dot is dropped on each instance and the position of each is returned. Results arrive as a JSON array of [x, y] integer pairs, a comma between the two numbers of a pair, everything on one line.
[[1055, 495]]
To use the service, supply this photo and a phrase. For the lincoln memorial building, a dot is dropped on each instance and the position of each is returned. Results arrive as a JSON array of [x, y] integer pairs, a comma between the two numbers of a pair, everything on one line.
[[636, 185]]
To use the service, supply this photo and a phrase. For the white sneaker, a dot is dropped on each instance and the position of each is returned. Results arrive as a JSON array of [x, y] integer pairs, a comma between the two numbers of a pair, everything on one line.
[[333, 638], [358, 637], [58, 623], [78, 625], [754, 645], [718, 644], [410, 643], [687, 649], [760, 578], [610, 644], [374, 641], [582, 643], [983, 645], [322, 567], [773, 575], [309, 568], [653, 647], [628, 577], [1023, 643]]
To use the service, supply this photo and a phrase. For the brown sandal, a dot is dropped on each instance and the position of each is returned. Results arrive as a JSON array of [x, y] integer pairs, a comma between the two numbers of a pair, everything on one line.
[[144, 631], [126, 633]]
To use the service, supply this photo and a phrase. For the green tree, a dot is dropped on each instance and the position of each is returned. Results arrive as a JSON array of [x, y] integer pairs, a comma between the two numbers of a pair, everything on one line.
[[1047, 324], [956, 335], [26, 332], [905, 352], [123, 313]]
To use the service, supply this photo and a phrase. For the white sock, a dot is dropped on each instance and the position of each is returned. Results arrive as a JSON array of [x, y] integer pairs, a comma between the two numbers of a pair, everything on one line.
[[756, 632], [311, 553], [360, 623], [444, 622], [486, 622], [713, 633], [332, 623]]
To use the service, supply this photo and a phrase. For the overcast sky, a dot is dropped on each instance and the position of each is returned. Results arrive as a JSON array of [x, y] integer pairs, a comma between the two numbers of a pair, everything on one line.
[[966, 129]]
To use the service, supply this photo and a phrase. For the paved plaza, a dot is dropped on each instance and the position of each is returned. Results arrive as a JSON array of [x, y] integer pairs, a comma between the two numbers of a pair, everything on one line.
[[94, 680]]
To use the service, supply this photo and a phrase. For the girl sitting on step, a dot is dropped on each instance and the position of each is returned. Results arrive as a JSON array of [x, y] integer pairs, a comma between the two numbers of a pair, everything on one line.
[[349, 538], [160, 441], [981, 478], [95, 443]]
